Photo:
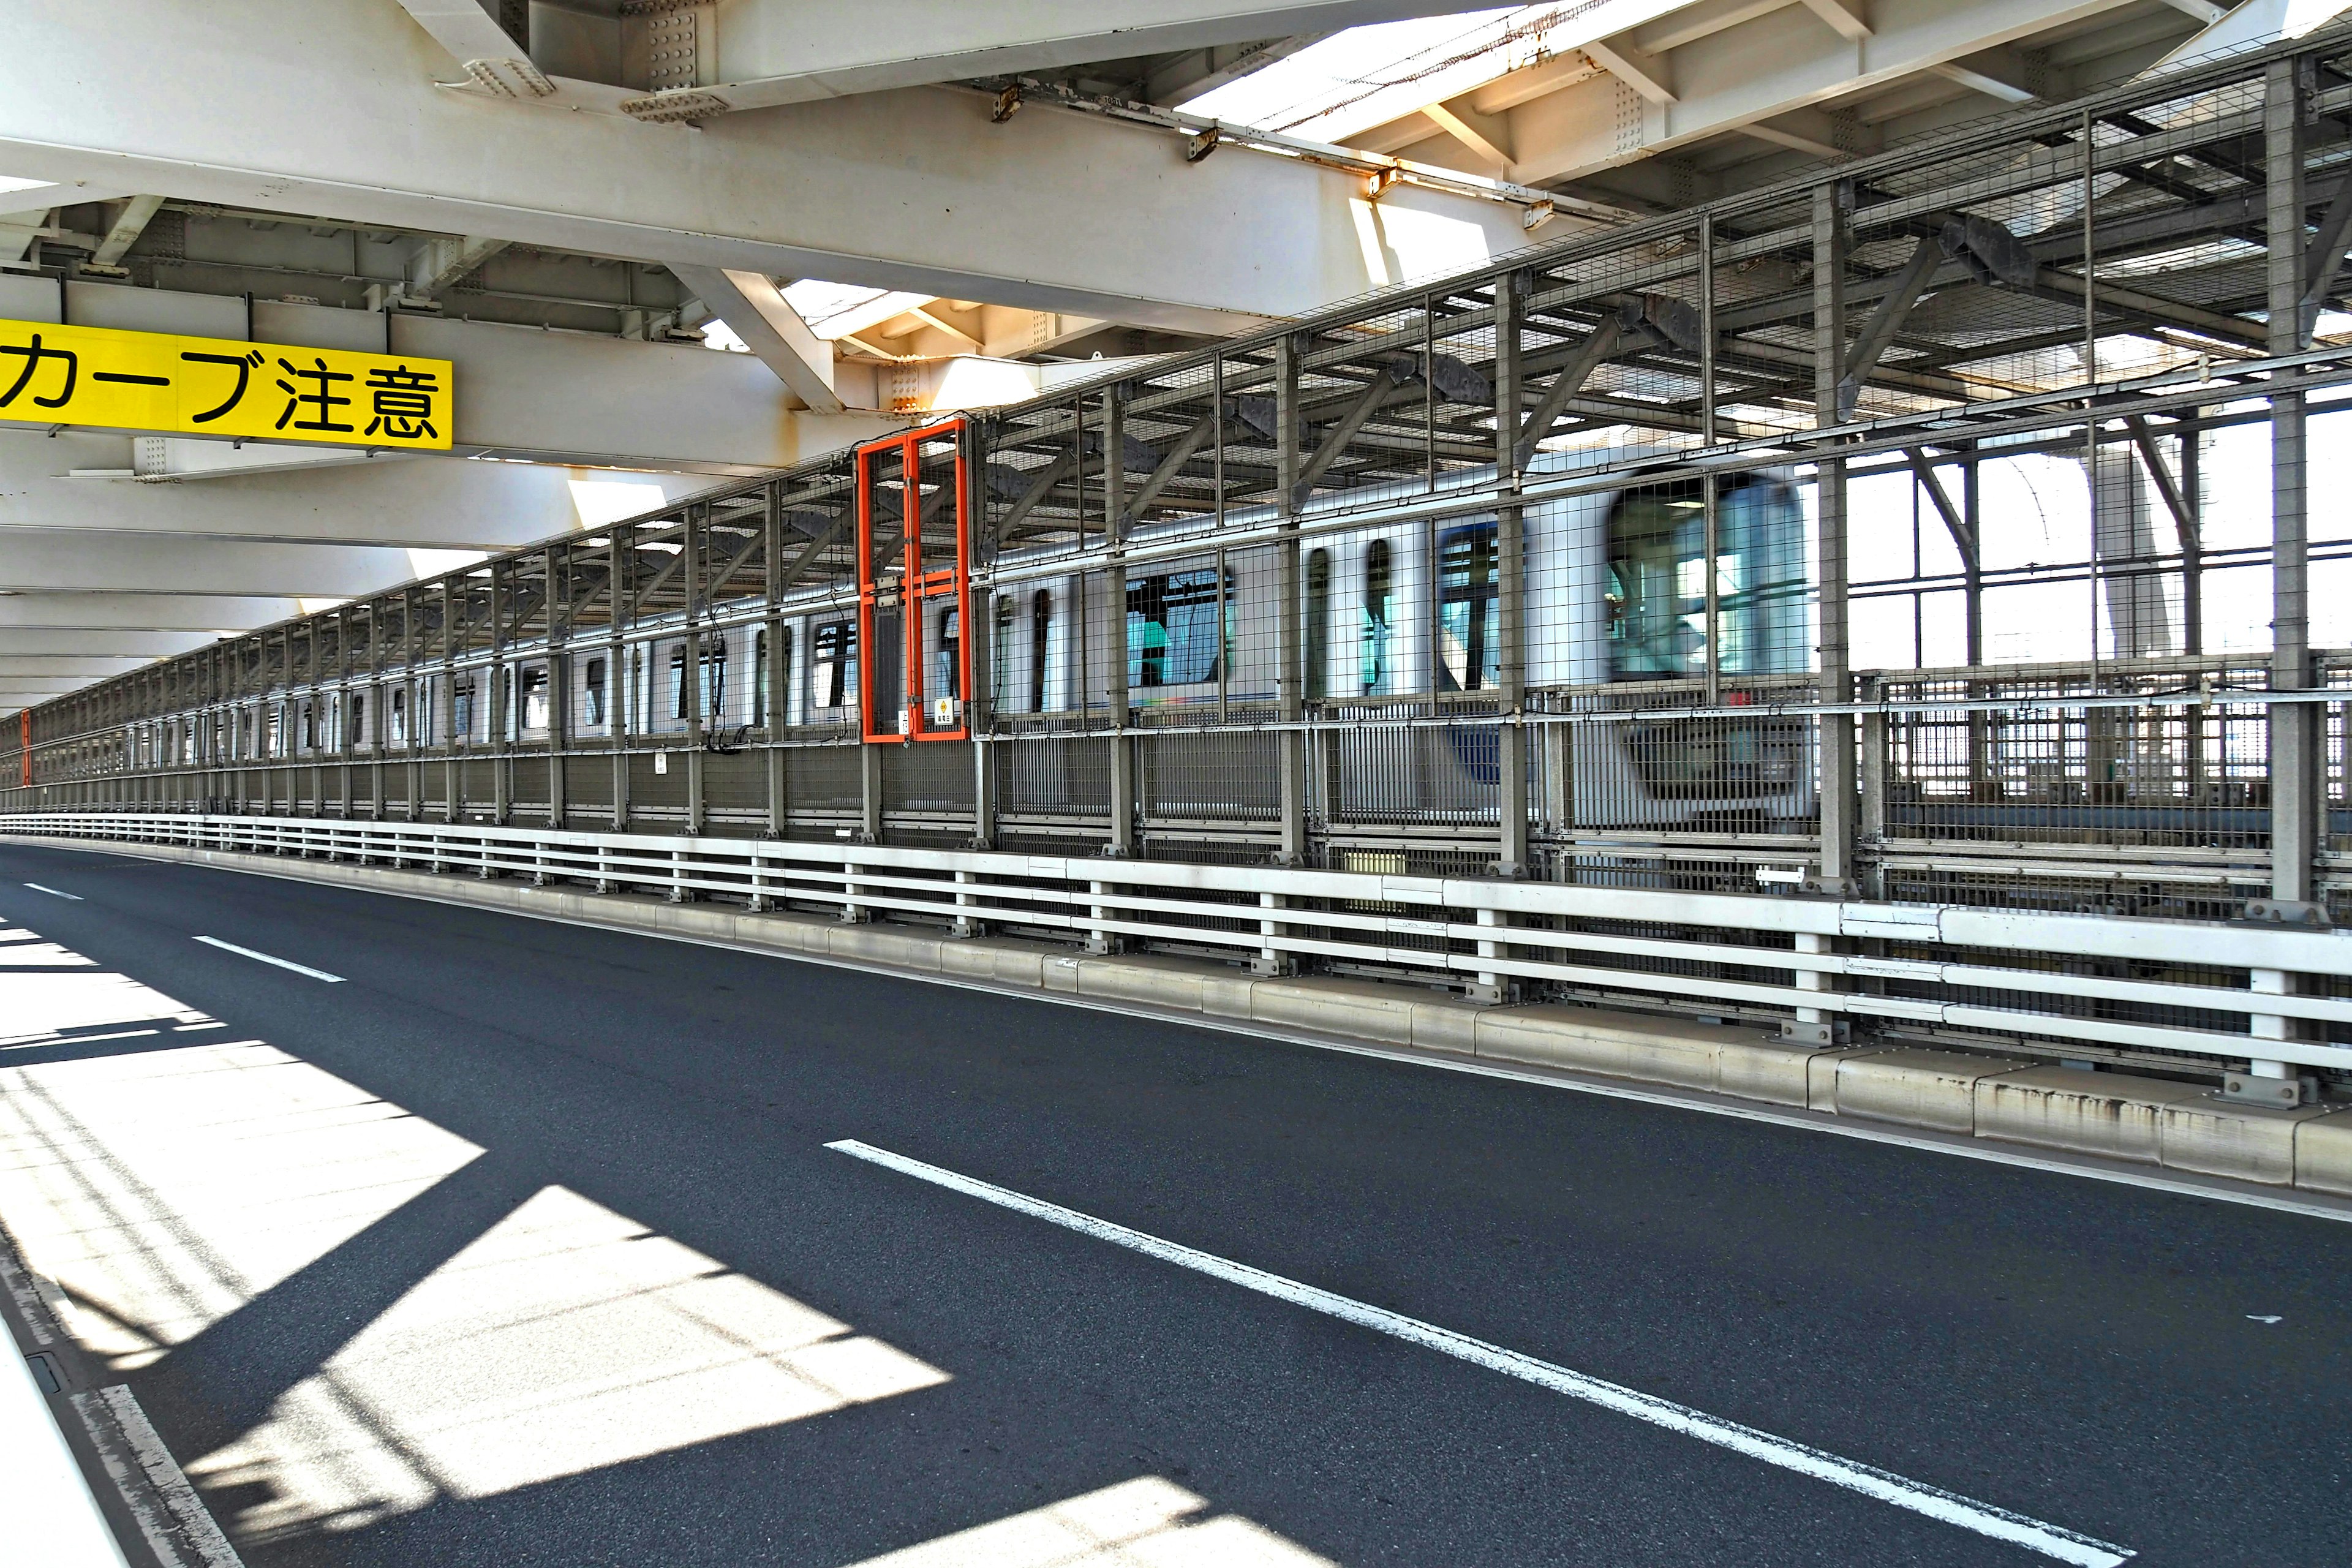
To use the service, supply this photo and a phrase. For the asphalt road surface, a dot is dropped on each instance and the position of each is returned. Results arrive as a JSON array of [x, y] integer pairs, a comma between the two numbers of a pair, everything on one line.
[[483, 1240]]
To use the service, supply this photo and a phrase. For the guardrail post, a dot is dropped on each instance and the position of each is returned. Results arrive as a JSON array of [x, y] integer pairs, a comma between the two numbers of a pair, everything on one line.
[[1098, 938], [1812, 1026], [1271, 960], [852, 911], [2267, 1080], [966, 923], [1491, 986]]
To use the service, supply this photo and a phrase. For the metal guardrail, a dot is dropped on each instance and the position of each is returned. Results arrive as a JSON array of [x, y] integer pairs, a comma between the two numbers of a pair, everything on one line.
[[2054, 983]]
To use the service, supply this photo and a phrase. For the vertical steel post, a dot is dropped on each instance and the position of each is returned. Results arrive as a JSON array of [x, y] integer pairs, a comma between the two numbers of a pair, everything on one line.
[[1510, 585], [696, 543], [1710, 495], [1972, 608], [980, 607], [447, 699], [1290, 705], [1833, 201], [412, 649], [501, 701], [619, 689], [559, 677], [779, 695], [1115, 524], [869, 786], [2192, 545]]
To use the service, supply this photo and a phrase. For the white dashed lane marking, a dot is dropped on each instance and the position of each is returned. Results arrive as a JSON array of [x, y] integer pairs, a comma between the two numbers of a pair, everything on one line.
[[1950, 1508], [264, 958]]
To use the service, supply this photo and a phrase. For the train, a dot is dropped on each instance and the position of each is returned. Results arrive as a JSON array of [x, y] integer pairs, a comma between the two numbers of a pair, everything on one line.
[[1390, 611]]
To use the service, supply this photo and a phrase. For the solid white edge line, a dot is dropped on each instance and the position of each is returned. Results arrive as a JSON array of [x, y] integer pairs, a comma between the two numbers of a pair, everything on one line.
[[196, 1527], [1949, 1508], [53, 892], [2087, 1167], [266, 958]]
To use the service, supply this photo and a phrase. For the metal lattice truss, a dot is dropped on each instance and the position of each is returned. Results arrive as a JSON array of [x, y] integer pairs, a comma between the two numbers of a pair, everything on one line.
[[2111, 261]]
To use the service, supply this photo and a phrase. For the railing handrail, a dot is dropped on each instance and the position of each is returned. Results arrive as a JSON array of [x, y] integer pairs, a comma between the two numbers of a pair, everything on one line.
[[1107, 899]]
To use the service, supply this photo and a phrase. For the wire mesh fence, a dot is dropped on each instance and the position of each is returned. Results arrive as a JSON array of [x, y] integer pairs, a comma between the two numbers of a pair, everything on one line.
[[1949, 525]]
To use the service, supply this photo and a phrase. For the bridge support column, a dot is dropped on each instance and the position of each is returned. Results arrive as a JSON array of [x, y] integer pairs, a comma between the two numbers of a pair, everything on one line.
[[2296, 782], [1831, 205]]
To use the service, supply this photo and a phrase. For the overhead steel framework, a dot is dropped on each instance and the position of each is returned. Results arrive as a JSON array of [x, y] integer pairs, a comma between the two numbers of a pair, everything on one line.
[[1544, 573]]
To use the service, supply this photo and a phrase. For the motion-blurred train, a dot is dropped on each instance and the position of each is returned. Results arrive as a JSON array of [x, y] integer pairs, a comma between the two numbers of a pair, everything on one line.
[[1615, 593]]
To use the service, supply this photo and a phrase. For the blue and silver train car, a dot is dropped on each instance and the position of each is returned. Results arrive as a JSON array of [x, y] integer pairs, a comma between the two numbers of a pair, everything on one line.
[[1616, 601]]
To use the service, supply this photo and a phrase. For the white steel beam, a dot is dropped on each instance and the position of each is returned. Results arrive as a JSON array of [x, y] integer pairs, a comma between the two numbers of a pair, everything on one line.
[[65, 560], [411, 502], [569, 397], [1770, 64], [1486, 135], [1650, 74], [464, 28], [1847, 18], [137, 213], [444, 261], [757, 312], [912, 190], [20, 647], [108, 612], [772, 52], [17, 232]]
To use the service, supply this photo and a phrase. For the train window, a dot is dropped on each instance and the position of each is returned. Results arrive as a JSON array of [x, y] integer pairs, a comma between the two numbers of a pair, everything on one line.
[[1172, 628], [1657, 581], [1319, 623], [461, 710], [310, 726], [397, 719], [677, 680], [949, 682], [592, 704], [1761, 596], [534, 698], [1040, 636], [829, 665], [1373, 639], [999, 663], [713, 663], [359, 719], [782, 684], [760, 679], [1469, 646]]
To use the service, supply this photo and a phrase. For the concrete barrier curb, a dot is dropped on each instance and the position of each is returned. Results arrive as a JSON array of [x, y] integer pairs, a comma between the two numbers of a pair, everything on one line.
[[2112, 1116]]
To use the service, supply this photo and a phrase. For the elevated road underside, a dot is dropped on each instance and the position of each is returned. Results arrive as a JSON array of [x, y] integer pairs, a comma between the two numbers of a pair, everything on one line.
[[483, 1240]]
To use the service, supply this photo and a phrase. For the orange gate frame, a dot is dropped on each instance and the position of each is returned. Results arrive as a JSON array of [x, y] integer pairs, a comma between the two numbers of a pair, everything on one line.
[[921, 585]]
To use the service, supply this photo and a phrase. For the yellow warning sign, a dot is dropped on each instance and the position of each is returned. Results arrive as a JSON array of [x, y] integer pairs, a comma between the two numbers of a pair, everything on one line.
[[51, 375]]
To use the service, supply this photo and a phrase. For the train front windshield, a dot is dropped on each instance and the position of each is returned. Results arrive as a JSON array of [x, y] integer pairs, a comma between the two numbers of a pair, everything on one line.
[[1657, 581]]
